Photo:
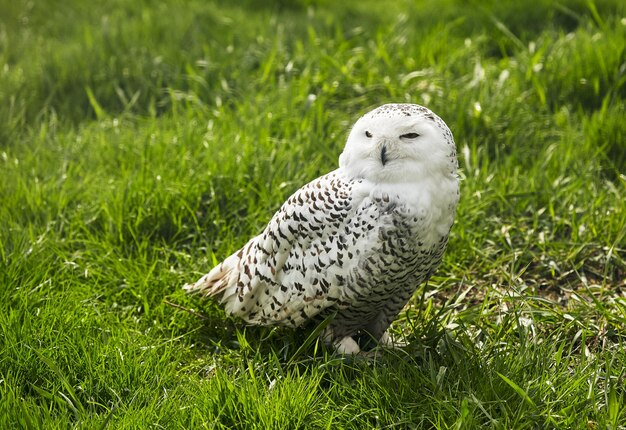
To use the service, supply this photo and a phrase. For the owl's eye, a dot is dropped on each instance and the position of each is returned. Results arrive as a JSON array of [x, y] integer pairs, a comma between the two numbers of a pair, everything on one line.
[[409, 136], [368, 134]]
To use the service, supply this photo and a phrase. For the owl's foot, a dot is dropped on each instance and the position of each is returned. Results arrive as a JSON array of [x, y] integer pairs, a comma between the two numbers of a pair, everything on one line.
[[349, 346], [388, 341], [346, 346]]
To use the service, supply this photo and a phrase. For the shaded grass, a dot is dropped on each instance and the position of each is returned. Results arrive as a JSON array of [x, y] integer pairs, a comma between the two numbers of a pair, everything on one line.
[[143, 143]]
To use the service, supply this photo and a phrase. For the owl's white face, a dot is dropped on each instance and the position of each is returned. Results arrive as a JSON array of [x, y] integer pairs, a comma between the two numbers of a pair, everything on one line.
[[399, 143]]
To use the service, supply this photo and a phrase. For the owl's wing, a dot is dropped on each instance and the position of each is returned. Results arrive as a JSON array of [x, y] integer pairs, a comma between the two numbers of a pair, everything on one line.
[[302, 262]]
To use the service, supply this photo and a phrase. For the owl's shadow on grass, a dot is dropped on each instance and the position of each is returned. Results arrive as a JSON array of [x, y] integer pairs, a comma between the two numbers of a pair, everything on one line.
[[212, 331]]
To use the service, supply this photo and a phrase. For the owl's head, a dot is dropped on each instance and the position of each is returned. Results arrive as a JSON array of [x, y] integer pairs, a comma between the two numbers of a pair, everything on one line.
[[399, 143]]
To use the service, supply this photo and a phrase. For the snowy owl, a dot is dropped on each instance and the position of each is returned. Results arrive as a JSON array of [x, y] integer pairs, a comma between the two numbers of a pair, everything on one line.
[[355, 243]]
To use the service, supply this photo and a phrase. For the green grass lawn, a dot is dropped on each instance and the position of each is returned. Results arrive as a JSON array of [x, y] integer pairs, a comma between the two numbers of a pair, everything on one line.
[[141, 142]]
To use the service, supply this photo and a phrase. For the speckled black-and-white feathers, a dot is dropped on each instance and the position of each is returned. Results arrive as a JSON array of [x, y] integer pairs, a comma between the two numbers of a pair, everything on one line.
[[356, 242]]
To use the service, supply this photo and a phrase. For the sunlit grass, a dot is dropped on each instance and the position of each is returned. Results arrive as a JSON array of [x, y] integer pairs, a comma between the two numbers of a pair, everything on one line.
[[142, 143]]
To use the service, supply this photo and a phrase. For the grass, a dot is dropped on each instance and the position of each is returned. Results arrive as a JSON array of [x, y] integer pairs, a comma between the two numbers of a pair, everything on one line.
[[142, 142]]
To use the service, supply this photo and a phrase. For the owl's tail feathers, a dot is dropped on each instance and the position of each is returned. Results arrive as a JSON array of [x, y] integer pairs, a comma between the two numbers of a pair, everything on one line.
[[215, 282]]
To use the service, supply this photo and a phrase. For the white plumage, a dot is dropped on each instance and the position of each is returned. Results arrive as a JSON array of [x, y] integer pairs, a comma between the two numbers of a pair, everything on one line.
[[357, 241]]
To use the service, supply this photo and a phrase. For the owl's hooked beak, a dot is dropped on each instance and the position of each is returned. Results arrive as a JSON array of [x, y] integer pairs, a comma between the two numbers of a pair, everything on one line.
[[383, 155]]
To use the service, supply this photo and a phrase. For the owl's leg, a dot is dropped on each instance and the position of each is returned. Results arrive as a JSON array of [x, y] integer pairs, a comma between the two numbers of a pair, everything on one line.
[[378, 328], [378, 334]]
